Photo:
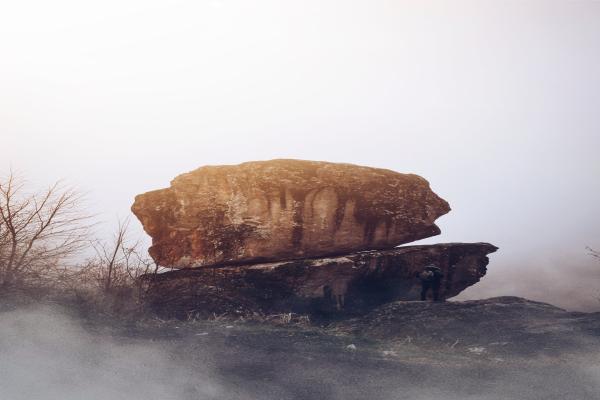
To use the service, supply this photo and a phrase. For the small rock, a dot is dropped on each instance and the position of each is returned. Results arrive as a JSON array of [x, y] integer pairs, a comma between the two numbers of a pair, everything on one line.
[[476, 350]]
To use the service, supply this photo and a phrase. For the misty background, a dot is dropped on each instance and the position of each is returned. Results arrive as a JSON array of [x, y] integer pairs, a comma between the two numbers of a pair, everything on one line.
[[494, 102]]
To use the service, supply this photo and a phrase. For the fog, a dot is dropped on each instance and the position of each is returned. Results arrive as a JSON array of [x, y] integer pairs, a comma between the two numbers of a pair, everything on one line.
[[48, 355], [494, 102]]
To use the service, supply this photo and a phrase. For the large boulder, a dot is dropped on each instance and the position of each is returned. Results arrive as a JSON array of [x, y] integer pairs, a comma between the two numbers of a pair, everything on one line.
[[284, 209], [366, 279]]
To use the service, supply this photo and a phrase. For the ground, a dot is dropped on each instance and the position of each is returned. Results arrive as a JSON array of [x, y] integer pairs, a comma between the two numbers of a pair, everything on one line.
[[502, 348]]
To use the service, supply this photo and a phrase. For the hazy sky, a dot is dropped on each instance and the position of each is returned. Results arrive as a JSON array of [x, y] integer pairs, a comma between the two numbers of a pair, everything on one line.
[[496, 103]]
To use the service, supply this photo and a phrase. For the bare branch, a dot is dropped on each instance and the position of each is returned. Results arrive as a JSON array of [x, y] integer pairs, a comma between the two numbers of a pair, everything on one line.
[[38, 230]]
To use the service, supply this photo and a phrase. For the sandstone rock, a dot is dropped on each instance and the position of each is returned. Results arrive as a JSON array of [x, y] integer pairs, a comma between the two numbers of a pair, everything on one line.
[[366, 279], [284, 209]]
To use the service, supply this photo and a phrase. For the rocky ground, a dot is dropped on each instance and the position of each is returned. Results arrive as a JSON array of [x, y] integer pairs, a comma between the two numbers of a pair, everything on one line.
[[501, 348]]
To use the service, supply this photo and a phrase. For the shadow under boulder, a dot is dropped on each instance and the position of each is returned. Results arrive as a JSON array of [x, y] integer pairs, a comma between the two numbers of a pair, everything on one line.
[[345, 285]]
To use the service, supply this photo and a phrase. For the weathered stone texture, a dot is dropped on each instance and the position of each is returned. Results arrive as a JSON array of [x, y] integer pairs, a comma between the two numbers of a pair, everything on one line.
[[284, 209], [366, 279]]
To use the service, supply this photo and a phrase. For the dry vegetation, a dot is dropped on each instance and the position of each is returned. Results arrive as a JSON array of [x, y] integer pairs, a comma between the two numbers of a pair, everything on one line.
[[594, 253], [43, 238], [38, 232]]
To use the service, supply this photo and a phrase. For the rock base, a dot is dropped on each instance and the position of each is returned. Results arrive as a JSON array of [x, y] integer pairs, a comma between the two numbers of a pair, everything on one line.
[[352, 284]]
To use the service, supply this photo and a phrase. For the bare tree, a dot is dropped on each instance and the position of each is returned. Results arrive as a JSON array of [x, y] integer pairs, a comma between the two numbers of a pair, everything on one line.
[[38, 231], [594, 253], [118, 263]]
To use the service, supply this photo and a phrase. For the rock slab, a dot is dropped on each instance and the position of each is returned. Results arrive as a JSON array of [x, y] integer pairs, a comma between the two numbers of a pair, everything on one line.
[[284, 209], [366, 279]]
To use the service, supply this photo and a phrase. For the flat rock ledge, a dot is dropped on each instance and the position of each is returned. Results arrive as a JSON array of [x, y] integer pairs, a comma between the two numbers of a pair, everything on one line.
[[366, 280]]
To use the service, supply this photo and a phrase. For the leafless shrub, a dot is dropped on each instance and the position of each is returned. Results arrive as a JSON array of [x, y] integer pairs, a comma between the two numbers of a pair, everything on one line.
[[38, 232], [42, 236], [593, 253], [117, 266], [219, 317], [284, 319]]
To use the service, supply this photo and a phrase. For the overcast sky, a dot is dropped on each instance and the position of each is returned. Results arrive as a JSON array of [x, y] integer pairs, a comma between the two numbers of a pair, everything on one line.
[[496, 103]]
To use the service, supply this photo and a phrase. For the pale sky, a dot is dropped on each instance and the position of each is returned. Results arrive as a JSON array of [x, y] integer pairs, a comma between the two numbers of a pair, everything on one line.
[[496, 103]]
